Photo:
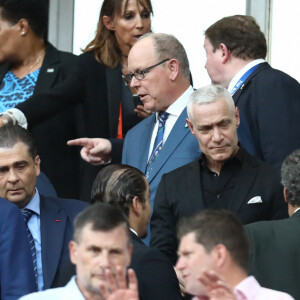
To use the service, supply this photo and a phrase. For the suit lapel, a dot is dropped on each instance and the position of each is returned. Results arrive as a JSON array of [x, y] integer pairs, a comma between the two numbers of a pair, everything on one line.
[[193, 188], [243, 185], [248, 80], [178, 133], [114, 89], [143, 142], [53, 223], [49, 70]]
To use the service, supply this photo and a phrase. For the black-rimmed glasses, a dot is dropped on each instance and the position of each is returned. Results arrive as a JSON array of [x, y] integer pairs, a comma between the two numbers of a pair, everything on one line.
[[140, 74]]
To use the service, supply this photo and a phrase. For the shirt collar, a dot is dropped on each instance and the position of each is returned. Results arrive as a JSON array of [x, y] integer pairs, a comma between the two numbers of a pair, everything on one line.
[[296, 209], [180, 104], [34, 203], [247, 287], [238, 157], [240, 73], [132, 230]]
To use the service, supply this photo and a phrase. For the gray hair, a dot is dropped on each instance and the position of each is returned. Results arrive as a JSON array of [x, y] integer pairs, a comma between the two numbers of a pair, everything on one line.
[[168, 46], [208, 94], [290, 177]]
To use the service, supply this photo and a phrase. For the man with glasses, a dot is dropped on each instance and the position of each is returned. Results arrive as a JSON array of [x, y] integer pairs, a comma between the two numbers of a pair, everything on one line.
[[159, 71]]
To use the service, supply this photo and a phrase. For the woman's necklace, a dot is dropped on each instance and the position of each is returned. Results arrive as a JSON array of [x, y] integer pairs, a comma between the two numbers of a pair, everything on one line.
[[36, 62]]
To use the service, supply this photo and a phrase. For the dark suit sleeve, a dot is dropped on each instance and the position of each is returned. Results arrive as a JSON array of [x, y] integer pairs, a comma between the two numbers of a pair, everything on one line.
[[163, 224], [16, 266], [157, 278]]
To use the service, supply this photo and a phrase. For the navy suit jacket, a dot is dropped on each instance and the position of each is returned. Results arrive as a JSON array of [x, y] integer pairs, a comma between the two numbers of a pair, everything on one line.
[[57, 216], [179, 195], [156, 276], [269, 105], [274, 254], [180, 148], [16, 266]]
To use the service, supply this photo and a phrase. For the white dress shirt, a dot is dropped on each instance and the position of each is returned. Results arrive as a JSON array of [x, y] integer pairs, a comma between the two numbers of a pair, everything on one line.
[[174, 110], [240, 73]]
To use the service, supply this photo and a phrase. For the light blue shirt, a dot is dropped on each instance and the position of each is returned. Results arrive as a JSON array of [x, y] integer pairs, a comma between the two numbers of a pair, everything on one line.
[[34, 225], [69, 292]]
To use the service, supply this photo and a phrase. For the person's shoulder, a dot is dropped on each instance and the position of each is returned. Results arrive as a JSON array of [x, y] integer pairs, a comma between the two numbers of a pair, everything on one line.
[[183, 169], [262, 166], [141, 125], [66, 204], [275, 295], [273, 75], [44, 295]]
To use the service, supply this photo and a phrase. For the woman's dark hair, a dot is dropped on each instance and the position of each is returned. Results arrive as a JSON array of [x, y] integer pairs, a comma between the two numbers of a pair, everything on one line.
[[104, 45], [34, 11], [118, 185]]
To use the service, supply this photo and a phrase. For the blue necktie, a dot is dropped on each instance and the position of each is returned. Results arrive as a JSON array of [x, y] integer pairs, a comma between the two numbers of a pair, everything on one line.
[[158, 143], [27, 213]]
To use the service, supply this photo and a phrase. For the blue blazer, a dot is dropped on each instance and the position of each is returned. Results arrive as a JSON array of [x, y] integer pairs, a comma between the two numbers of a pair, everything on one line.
[[57, 217], [16, 266], [180, 148]]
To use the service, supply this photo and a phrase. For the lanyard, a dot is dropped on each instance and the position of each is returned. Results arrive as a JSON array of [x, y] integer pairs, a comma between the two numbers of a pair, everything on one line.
[[243, 79]]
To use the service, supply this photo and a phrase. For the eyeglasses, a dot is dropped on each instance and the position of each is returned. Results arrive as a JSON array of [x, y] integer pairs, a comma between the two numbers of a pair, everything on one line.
[[140, 74]]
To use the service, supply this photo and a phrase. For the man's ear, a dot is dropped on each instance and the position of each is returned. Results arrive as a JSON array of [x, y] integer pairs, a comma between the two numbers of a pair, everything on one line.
[[220, 255], [108, 23], [173, 68], [136, 206], [190, 124], [285, 196], [73, 252], [225, 53], [237, 117], [37, 163]]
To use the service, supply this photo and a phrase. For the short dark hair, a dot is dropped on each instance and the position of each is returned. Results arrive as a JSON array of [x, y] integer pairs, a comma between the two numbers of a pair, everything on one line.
[[10, 135], [117, 185], [213, 227], [102, 217], [290, 177], [241, 35], [34, 11]]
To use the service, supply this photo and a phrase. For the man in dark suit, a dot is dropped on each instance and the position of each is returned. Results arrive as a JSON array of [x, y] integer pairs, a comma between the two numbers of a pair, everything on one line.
[[268, 99], [16, 269], [51, 219], [226, 176], [159, 71], [275, 245], [126, 187]]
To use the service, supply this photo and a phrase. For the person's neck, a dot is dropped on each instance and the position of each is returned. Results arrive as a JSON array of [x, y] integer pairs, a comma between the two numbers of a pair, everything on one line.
[[234, 66], [234, 275], [31, 58], [216, 166], [292, 209]]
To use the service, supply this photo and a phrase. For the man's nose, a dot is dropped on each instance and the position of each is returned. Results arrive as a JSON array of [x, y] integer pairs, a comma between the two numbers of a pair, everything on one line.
[[216, 135], [134, 82], [103, 260], [12, 176]]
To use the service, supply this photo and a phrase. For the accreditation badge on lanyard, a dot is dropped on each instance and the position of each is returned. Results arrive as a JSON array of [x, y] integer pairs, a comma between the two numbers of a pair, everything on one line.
[[243, 79]]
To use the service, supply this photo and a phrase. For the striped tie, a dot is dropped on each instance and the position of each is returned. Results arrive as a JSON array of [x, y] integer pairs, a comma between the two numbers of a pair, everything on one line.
[[27, 213], [162, 118]]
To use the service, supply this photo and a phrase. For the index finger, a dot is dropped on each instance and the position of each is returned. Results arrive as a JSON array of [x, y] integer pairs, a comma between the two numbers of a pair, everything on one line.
[[84, 142]]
